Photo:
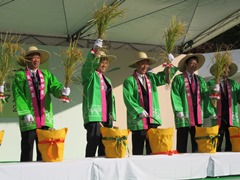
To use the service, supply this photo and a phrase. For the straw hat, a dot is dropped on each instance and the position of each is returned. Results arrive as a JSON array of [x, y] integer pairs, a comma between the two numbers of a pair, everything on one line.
[[33, 49], [110, 58], [181, 64], [232, 69], [142, 56]]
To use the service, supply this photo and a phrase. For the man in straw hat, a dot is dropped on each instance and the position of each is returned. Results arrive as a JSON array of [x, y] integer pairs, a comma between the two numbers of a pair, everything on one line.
[[227, 105], [32, 88], [189, 95], [141, 100], [98, 99]]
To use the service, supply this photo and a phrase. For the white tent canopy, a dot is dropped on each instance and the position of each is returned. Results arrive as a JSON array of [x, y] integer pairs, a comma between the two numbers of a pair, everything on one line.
[[54, 22]]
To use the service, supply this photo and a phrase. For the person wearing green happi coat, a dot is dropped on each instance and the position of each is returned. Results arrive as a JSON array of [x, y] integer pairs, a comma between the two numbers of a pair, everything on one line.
[[190, 100], [227, 105], [32, 88], [141, 100], [98, 99]]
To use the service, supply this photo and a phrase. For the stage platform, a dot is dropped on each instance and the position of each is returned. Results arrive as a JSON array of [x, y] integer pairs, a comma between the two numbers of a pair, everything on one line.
[[154, 167]]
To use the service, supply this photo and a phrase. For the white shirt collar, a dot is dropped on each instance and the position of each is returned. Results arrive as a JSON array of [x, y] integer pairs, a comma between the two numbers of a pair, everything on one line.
[[32, 71], [140, 76], [189, 74]]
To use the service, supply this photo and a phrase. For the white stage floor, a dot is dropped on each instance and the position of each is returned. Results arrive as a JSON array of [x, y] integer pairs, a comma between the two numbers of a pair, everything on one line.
[[154, 167]]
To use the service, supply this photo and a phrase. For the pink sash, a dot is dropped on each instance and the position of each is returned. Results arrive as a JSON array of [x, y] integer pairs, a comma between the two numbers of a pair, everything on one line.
[[219, 106], [103, 95], [39, 116], [145, 124], [189, 99]]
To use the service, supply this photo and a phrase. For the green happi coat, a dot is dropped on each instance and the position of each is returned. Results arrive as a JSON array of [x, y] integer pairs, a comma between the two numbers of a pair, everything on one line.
[[92, 102], [180, 103], [235, 99], [23, 100], [132, 99]]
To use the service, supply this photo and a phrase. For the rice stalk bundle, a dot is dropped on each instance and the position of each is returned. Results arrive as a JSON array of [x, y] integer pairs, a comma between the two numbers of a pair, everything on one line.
[[171, 35], [10, 50], [72, 59], [221, 61], [104, 17]]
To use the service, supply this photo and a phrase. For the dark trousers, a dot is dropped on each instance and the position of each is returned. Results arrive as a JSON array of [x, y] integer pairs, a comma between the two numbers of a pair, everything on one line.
[[138, 140], [94, 140], [27, 143], [223, 130], [182, 139]]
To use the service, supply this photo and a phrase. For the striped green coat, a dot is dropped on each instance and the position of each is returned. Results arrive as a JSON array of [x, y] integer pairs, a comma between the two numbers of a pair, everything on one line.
[[132, 99], [23, 100], [92, 103], [180, 103]]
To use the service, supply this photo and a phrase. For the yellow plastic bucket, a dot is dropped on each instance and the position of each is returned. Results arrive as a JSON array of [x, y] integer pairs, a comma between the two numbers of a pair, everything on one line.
[[51, 144], [1, 136], [115, 142], [234, 133], [207, 139], [160, 140]]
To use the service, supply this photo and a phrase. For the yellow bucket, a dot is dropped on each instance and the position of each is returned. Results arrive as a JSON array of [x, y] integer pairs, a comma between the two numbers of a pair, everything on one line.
[[207, 139], [1, 136], [160, 140], [234, 133], [51, 144], [115, 142]]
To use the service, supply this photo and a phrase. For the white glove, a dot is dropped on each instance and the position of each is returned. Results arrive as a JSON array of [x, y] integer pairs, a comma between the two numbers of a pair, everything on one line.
[[170, 57], [143, 114], [2, 88], [111, 117], [98, 43], [180, 115], [28, 118], [216, 87], [66, 91]]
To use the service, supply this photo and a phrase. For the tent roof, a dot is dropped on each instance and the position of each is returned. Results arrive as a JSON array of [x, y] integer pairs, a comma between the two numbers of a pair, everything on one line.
[[53, 22]]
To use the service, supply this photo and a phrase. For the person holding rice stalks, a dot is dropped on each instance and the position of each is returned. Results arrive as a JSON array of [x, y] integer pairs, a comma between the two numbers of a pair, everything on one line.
[[32, 89], [98, 99], [72, 59], [228, 91], [141, 100], [172, 34], [189, 96]]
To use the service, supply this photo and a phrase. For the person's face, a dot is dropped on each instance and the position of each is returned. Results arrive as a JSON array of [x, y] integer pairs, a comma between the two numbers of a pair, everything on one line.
[[191, 66], [103, 65], [142, 66], [34, 61]]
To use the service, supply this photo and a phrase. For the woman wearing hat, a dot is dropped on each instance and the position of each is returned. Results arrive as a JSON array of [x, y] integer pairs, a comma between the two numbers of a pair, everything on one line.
[[98, 99], [32, 89], [141, 100], [189, 95], [227, 105]]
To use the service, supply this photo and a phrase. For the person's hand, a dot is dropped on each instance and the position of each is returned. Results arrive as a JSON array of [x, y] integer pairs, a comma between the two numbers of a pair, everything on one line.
[[2, 89], [216, 87], [180, 115], [143, 114], [66, 91], [111, 117], [170, 57], [98, 44], [28, 118]]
